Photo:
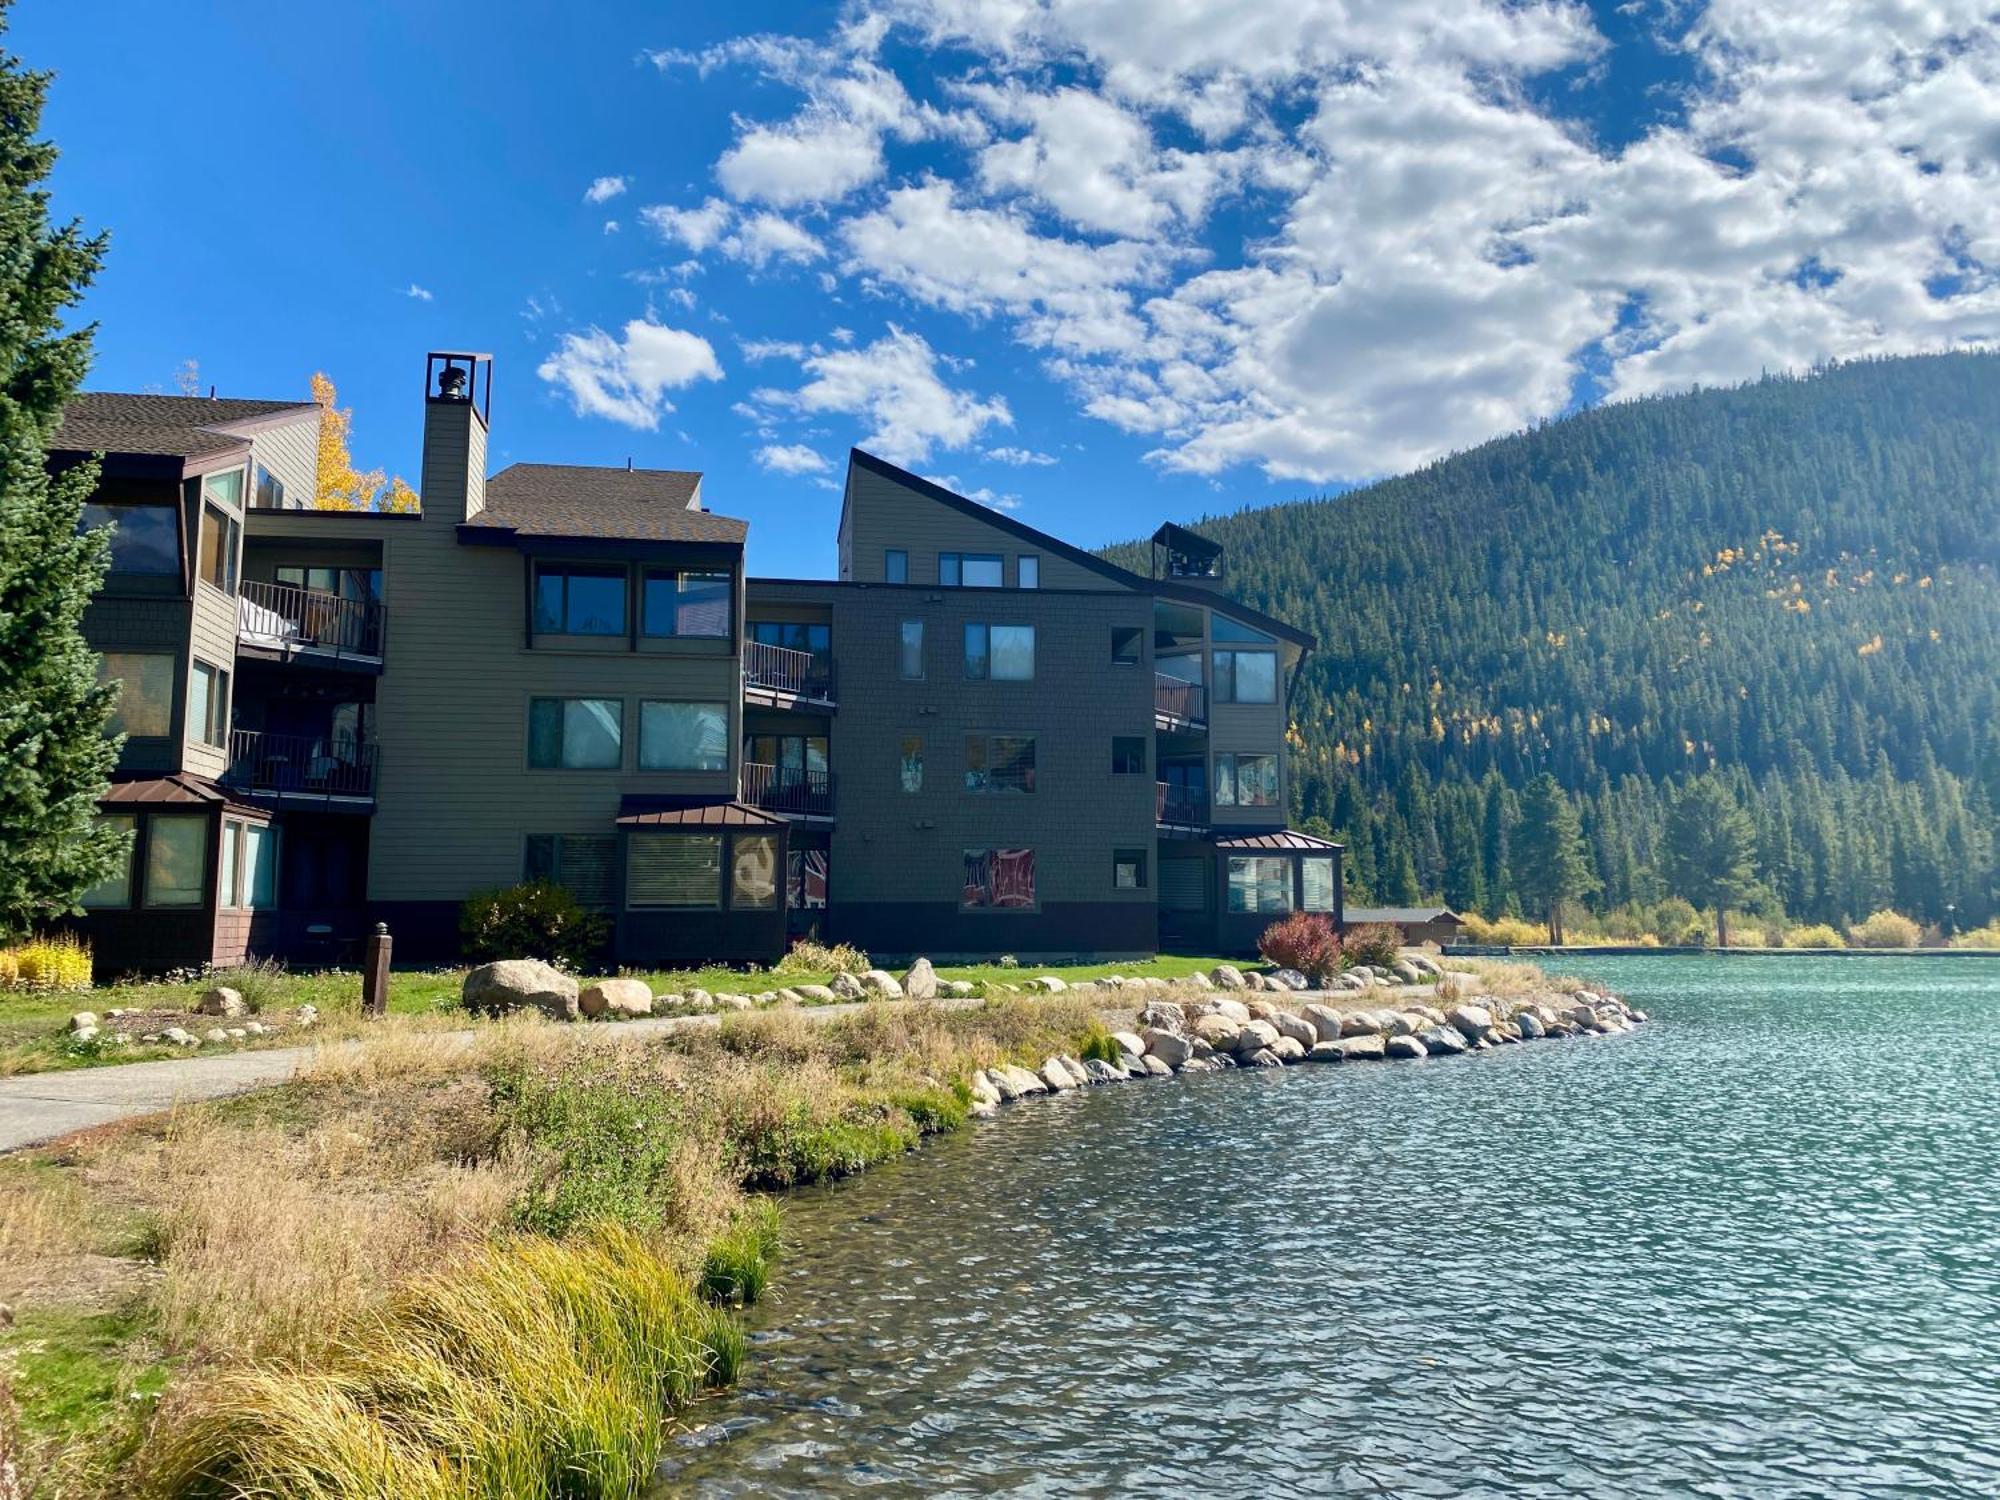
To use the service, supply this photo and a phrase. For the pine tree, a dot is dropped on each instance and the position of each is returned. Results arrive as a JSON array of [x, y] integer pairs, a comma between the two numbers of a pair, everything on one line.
[[1550, 863], [55, 758], [1710, 852]]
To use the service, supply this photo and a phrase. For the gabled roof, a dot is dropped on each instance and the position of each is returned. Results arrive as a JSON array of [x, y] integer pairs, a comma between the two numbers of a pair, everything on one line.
[[692, 812], [574, 500], [164, 426], [1402, 916], [1286, 839], [175, 789]]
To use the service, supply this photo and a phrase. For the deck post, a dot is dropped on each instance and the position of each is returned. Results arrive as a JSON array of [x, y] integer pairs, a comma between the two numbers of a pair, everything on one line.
[[375, 972]]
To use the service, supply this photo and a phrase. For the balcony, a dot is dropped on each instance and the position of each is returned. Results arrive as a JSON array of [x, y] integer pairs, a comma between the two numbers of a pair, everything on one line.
[[1177, 812], [290, 623], [337, 771], [1179, 705], [788, 790], [779, 677]]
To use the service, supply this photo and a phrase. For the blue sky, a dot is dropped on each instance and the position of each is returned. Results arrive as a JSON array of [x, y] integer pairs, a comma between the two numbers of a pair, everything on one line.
[[1099, 262]]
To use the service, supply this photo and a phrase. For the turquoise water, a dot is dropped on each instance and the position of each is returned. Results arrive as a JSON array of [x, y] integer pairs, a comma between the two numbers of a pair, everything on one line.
[[1751, 1249]]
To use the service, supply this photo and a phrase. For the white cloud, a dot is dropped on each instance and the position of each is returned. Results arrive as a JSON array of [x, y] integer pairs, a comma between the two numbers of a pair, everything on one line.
[[894, 386], [811, 159], [418, 293], [790, 458], [625, 379], [759, 350], [697, 228], [1020, 457], [604, 189], [610, 226], [760, 239]]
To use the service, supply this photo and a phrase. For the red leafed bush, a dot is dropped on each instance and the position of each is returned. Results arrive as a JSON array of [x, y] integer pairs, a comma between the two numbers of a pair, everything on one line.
[[1302, 941], [1372, 943]]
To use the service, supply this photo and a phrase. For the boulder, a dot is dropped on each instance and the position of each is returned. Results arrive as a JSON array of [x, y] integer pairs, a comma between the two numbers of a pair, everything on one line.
[[1402, 1023], [1220, 1032], [1425, 965], [1368, 1048], [221, 1001], [83, 1020], [960, 989], [1289, 1049], [1443, 1039], [617, 998], [1101, 1071], [1226, 977], [1201, 1049], [1360, 1023], [1530, 1026], [1129, 1043], [1471, 1021], [981, 1109], [814, 994], [84, 1034], [1170, 1047], [1155, 1067], [1325, 1052], [1222, 1005], [520, 984], [1055, 1073], [255, 1028], [1404, 1046], [997, 1080], [1298, 1028], [1161, 1016], [1263, 1057], [1256, 1036], [213, 1034], [1349, 981], [847, 987], [305, 1015], [1024, 1082], [1048, 984], [1406, 972], [1255, 980], [1325, 1022], [1638, 1017], [881, 982], [983, 1089], [1199, 981], [920, 982], [732, 1002], [1291, 979], [180, 1037], [237, 1034]]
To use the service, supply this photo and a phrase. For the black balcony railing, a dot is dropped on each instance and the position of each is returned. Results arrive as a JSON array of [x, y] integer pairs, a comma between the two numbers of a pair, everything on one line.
[[788, 789], [780, 669], [300, 765], [1186, 702], [285, 617], [1175, 809]]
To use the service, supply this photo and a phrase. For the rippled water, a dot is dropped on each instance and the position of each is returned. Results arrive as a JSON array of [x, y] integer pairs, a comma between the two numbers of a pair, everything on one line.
[[1747, 1250]]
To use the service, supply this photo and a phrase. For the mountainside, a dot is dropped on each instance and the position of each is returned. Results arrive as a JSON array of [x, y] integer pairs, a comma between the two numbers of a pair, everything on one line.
[[1791, 582]]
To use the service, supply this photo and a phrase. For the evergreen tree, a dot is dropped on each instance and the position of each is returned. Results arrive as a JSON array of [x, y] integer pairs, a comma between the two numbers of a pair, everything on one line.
[[1710, 850], [1550, 863], [55, 758]]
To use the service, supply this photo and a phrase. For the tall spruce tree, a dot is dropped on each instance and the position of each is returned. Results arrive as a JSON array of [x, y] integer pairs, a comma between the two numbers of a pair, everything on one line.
[[54, 756], [1550, 862], [1710, 850]]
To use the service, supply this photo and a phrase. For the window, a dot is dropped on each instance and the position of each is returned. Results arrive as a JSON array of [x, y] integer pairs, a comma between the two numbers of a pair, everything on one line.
[[1316, 878], [579, 600], [147, 538], [674, 869], [225, 488], [1128, 870], [753, 872], [581, 864], [910, 766], [910, 649], [683, 736], [219, 532], [1246, 677], [1003, 653], [1246, 781], [270, 493], [797, 759], [999, 763], [145, 704], [208, 704], [1128, 755], [792, 635], [686, 605], [1125, 645], [1028, 571], [971, 570], [364, 585], [115, 890], [999, 880], [576, 734], [1222, 628], [176, 859], [249, 865], [896, 565], [1260, 885], [1175, 625]]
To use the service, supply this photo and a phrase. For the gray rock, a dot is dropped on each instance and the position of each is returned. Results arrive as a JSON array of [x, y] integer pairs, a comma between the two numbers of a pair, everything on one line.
[[1055, 1073], [1443, 1039], [305, 1015], [1003, 1087], [1291, 979], [1101, 1071], [1161, 1016], [920, 982], [882, 982], [1349, 981], [1325, 1022], [1289, 1049], [1425, 965], [1530, 1026], [1360, 1023], [960, 989], [237, 1034], [732, 1002], [1220, 1032], [1401, 1023], [1202, 1050], [214, 1034], [1222, 1005], [981, 1109], [1170, 1047], [1406, 972], [1256, 1036], [520, 984], [1024, 1082], [1639, 1016], [1471, 1021], [1368, 1048], [1154, 1066], [847, 987], [983, 1089], [1329, 1051], [180, 1037], [1129, 1043], [1298, 1028], [814, 994], [83, 1020], [84, 1034], [616, 997], [1198, 980], [1255, 980], [1048, 984], [1404, 1046], [255, 1028], [221, 1001], [1226, 977]]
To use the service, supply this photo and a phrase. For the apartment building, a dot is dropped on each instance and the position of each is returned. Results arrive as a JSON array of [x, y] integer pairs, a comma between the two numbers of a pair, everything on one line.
[[976, 739]]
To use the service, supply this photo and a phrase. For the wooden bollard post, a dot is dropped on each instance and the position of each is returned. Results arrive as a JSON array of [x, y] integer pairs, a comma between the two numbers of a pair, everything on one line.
[[375, 972]]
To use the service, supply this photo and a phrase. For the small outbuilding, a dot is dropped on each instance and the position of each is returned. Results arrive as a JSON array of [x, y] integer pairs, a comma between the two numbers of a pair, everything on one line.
[[1419, 924]]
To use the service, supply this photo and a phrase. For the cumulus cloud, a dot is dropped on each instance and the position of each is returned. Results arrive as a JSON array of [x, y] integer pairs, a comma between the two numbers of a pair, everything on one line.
[[762, 238], [790, 458], [697, 228], [417, 293], [1020, 457], [625, 377], [604, 189], [895, 387]]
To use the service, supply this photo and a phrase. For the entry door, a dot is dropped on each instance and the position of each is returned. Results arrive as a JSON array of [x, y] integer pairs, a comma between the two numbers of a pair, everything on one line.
[[1185, 900]]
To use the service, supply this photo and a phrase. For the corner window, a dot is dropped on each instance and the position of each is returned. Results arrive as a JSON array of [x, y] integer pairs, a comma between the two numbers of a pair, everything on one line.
[[1222, 628], [176, 859], [673, 870], [910, 649], [1261, 885], [910, 763], [1128, 870], [1125, 645], [686, 605], [582, 864], [1316, 883], [895, 566], [576, 734], [208, 704], [683, 736], [971, 570], [1028, 571], [225, 488], [145, 706], [999, 763], [249, 865], [270, 492], [999, 880], [753, 872], [1246, 781], [146, 539], [1001, 653], [115, 890], [1246, 677], [219, 534], [579, 600], [1128, 755]]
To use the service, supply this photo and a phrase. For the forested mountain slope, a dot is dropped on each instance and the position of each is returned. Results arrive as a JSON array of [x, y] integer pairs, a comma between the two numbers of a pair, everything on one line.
[[1791, 582]]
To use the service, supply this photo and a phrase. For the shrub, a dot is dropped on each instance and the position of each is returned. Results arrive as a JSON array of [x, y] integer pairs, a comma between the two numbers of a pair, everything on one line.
[[1506, 932], [737, 1267], [260, 984], [1679, 924], [1980, 937], [1885, 929], [61, 962], [1372, 943], [1304, 941], [1815, 935], [810, 957], [536, 919]]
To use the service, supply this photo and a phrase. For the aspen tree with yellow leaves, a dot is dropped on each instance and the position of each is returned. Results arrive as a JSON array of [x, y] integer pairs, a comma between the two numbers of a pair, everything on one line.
[[338, 485]]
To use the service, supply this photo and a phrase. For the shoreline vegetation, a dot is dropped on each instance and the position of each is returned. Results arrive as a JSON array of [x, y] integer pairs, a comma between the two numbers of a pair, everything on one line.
[[509, 1267]]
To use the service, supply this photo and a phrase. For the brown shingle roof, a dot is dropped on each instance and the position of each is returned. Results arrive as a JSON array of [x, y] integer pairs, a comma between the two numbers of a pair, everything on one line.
[[1277, 838], [172, 426], [625, 504], [176, 789], [692, 812]]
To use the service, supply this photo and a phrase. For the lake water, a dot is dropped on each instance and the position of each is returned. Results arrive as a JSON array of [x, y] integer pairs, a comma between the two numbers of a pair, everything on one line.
[[1750, 1249]]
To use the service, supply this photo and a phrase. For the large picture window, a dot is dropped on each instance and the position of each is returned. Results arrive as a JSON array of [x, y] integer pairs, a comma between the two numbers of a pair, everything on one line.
[[683, 736], [572, 600], [686, 605], [999, 880], [115, 890], [1001, 653], [582, 864], [1260, 885], [145, 704], [1246, 780], [1246, 677], [576, 734], [147, 538], [971, 570], [176, 859], [673, 870], [208, 704], [999, 763], [1316, 884]]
